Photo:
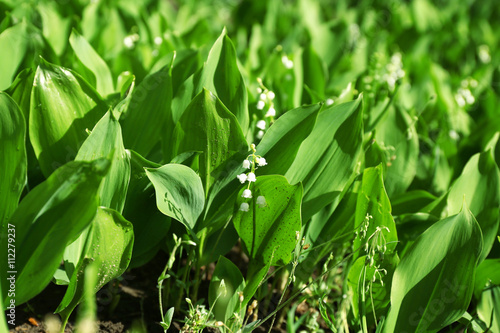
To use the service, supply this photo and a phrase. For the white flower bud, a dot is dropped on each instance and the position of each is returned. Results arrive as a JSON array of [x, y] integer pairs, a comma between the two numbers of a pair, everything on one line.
[[261, 124], [261, 201], [260, 134], [270, 95], [260, 105], [263, 97], [262, 161], [251, 177], [246, 194], [244, 207], [271, 112], [242, 178], [246, 164]]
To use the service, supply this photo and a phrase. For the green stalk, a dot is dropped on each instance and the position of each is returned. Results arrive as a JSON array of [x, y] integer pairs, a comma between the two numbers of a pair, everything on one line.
[[168, 266]]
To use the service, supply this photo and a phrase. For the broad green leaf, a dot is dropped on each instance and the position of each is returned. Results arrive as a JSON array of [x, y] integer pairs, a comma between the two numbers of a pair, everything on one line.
[[209, 127], [269, 231], [224, 300], [149, 112], [221, 76], [179, 192], [374, 209], [106, 140], [433, 283], [20, 91], [411, 202], [479, 183], [398, 136], [108, 246], [150, 225], [89, 57], [13, 39], [327, 159], [488, 308], [63, 106], [282, 140], [41, 223], [55, 26], [487, 272], [13, 161], [314, 74]]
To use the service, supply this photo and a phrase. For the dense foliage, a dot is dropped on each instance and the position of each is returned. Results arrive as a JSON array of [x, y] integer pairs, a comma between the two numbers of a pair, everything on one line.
[[337, 156]]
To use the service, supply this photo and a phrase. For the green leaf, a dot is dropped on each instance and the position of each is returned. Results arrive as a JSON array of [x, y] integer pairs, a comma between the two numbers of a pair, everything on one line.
[[224, 301], [108, 246], [269, 232], [488, 308], [55, 26], [479, 183], [314, 74], [179, 192], [398, 136], [13, 160], [327, 159], [89, 57], [281, 142], [106, 139], [63, 106], [15, 40], [221, 76], [373, 206], [150, 225], [488, 272], [433, 283], [209, 127], [41, 223], [149, 113]]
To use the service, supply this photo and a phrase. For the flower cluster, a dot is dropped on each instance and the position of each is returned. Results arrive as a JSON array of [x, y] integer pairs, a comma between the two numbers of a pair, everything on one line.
[[266, 102], [252, 162], [394, 72], [464, 95]]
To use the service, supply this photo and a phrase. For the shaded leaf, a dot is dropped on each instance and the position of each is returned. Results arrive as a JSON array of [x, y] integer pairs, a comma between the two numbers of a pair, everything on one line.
[[433, 283], [13, 160], [179, 192], [89, 57]]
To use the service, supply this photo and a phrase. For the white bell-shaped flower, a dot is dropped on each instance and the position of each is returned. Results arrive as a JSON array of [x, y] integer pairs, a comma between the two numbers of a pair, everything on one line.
[[260, 105], [244, 207], [261, 124], [260, 134], [247, 194], [246, 164], [251, 177], [242, 178], [261, 161], [261, 201], [271, 112]]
